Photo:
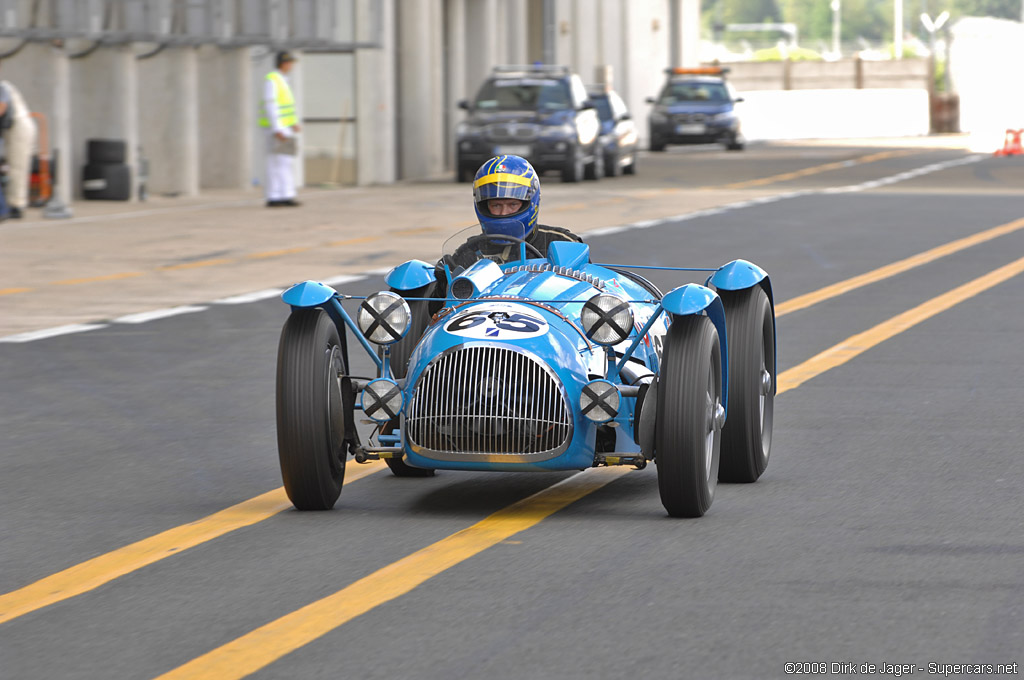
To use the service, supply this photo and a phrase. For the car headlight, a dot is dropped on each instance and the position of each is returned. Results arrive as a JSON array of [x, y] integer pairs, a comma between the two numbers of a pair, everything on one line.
[[722, 117], [599, 401], [384, 317], [563, 130], [607, 319], [658, 118], [381, 400]]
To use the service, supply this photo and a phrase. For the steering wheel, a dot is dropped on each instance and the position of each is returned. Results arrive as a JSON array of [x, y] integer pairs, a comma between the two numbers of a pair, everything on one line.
[[500, 240]]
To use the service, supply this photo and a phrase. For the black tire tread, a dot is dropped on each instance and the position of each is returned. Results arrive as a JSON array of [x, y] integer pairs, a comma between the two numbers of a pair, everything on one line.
[[303, 439], [691, 345], [746, 313]]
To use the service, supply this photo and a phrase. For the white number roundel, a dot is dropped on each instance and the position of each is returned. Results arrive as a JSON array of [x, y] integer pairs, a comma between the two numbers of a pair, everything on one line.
[[498, 322]]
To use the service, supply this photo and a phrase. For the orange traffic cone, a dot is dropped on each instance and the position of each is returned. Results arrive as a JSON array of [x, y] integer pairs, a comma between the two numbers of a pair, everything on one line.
[[1011, 144]]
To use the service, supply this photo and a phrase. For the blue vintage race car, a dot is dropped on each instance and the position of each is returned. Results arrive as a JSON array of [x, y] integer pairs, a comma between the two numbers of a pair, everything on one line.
[[538, 363]]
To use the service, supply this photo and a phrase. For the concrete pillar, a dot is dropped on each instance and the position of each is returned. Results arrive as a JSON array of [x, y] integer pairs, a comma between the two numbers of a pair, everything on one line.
[[644, 35], [689, 31], [481, 47], [516, 21], [421, 122], [40, 72], [170, 122], [104, 98], [376, 104], [227, 106], [457, 89]]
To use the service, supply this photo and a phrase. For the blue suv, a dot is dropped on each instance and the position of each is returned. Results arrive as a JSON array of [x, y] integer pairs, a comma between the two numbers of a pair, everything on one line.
[[696, 106], [541, 113]]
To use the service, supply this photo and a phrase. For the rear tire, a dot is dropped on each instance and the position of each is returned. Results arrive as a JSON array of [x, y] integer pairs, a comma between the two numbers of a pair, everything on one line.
[[631, 168], [311, 415], [596, 168], [747, 435], [687, 439], [613, 166]]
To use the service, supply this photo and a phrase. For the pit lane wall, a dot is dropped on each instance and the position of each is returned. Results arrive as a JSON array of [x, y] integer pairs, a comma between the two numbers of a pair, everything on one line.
[[833, 113]]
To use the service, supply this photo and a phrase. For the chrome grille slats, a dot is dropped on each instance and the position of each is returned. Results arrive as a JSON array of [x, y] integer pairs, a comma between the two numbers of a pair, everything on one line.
[[481, 402]]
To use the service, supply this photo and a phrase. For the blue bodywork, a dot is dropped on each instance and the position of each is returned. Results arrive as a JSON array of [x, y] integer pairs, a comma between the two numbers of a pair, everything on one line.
[[530, 310]]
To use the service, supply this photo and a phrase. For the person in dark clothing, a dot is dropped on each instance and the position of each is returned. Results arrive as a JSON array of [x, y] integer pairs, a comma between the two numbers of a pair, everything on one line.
[[506, 197]]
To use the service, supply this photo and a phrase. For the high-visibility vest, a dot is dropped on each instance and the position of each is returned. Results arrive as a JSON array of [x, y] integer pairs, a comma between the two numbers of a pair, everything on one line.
[[285, 103]]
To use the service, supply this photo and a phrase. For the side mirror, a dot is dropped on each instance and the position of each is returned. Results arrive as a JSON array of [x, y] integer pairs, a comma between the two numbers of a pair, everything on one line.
[[737, 100], [651, 100], [587, 104], [625, 116], [463, 104]]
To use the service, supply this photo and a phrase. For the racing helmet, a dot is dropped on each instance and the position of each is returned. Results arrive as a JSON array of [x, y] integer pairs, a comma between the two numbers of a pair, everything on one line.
[[507, 177]]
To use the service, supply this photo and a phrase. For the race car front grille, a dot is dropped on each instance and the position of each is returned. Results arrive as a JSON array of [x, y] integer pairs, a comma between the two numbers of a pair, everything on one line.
[[491, 403], [512, 132]]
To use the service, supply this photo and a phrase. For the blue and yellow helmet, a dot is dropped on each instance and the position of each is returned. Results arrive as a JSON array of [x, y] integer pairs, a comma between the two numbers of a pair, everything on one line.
[[507, 177]]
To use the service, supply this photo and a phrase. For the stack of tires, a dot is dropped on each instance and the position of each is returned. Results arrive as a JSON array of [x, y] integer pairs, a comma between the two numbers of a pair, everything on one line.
[[106, 177]]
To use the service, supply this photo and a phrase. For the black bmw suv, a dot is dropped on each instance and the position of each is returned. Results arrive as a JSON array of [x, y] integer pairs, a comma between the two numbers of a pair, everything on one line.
[[541, 113]]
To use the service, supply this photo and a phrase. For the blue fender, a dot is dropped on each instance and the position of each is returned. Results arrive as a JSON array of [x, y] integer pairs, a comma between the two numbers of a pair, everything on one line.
[[410, 275], [739, 275], [308, 294], [568, 254], [694, 298]]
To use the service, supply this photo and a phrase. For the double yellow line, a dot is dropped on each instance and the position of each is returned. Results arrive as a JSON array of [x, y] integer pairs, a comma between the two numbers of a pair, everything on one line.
[[264, 645]]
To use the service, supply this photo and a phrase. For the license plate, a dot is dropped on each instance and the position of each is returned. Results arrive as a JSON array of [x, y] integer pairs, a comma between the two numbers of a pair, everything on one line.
[[690, 129], [512, 150]]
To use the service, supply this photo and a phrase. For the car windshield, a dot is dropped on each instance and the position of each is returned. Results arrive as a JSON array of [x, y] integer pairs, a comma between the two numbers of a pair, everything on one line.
[[604, 109], [693, 92], [468, 245], [523, 95]]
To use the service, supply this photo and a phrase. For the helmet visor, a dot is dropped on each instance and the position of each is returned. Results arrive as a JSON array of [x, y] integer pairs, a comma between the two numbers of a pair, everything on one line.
[[502, 185]]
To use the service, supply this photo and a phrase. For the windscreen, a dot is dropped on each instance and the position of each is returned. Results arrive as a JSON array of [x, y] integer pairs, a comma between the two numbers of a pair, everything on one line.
[[523, 94], [694, 92]]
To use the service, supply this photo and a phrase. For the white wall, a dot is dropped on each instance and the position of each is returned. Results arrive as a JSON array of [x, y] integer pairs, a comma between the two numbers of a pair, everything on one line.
[[833, 114]]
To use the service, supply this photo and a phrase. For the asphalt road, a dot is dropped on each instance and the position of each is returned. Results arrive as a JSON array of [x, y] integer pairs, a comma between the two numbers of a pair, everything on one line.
[[886, 529]]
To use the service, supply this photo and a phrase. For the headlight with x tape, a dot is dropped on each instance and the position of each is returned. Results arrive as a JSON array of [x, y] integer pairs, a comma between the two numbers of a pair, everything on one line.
[[607, 319], [382, 400], [384, 317], [599, 401]]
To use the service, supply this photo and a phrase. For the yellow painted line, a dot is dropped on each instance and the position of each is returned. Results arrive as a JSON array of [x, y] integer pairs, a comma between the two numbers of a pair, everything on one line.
[[198, 263], [95, 279], [14, 291], [860, 343], [895, 268], [278, 253], [815, 170], [93, 573], [263, 646], [354, 241]]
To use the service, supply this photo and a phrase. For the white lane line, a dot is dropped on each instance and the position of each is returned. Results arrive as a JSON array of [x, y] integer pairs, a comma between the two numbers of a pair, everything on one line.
[[348, 278], [53, 332], [255, 296], [143, 317], [607, 230]]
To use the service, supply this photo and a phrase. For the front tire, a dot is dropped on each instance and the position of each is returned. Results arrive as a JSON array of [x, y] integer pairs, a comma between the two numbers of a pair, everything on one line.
[[687, 437], [595, 170], [747, 435], [311, 414]]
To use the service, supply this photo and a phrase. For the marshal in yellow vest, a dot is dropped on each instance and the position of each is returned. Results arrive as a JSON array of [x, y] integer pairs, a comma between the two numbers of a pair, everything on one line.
[[285, 103]]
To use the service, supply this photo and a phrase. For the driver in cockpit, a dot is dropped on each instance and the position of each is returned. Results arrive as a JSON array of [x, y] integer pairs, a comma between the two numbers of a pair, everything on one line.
[[506, 196]]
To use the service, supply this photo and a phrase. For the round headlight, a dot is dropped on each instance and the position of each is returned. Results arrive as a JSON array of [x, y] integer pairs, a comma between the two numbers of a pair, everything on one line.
[[599, 401], [384, 317], [607, 319], [382, 400]]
